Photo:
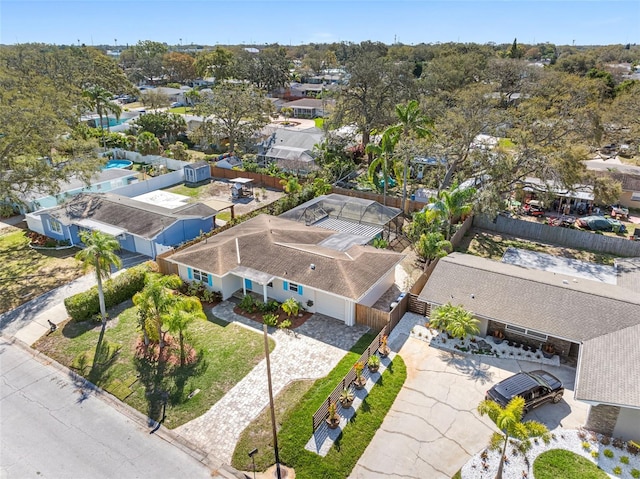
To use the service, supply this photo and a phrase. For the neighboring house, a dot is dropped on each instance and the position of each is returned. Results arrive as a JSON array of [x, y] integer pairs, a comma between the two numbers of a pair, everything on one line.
[[197, 172], [308, 107], [630, 196], [140, 227], [593, 323], [101, 182], [290, 149], [229, 163], [173, 94], [280, 259]]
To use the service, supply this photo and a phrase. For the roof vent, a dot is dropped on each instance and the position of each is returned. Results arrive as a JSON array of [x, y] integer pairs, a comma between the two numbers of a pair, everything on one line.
[[313, 266]]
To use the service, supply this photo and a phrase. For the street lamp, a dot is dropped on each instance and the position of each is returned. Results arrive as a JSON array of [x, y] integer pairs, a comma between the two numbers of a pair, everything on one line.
[[252, 453]]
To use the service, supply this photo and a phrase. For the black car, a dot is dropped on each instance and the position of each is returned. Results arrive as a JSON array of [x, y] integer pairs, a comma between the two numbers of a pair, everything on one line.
[[536, 387]]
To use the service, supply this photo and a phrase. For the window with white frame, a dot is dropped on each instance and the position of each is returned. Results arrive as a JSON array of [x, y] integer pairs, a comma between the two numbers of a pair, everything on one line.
[[526, 332], [200, 276], [293, 287], [55, 225]]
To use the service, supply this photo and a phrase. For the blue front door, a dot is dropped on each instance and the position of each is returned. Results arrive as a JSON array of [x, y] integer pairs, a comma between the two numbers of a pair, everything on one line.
[[247, 283]]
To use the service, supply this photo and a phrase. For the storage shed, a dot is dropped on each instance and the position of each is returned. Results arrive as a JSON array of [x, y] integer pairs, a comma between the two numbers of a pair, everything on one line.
[[198, 172]]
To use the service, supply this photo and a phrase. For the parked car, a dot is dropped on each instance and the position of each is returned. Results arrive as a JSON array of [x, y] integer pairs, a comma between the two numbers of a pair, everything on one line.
[[535, 387], [534, 208], [600, 223]]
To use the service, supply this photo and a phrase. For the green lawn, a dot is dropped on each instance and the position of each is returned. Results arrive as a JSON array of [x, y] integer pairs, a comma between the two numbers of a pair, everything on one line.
[[224, 216], [560, 463], [180, 110], [319, 122], [191, 191], [226, 353], [27, 273], [296, 407]]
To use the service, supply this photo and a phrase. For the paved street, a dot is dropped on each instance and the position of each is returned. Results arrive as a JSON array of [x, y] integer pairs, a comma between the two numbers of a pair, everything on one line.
[[433, 427], [53, 427]]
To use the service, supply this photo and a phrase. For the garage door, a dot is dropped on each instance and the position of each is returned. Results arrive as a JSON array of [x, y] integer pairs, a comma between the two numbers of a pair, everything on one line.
[[330, 305]]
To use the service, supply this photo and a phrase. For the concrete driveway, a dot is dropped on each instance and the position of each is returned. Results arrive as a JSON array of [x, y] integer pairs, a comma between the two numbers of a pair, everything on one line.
[[433, 428]]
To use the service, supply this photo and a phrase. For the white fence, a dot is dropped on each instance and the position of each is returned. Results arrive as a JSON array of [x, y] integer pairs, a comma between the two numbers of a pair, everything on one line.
[[151, 184], [169, 163]]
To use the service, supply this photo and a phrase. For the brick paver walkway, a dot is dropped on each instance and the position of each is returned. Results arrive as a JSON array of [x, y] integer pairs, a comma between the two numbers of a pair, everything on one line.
[[312, 353]]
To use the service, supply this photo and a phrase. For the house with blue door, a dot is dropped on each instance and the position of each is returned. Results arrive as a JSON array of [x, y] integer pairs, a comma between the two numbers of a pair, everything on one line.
[[327, 271], [138, 226]]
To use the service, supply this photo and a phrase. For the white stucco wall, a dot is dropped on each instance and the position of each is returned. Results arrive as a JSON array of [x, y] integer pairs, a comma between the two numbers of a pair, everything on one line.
[[370, 298], [628, 424]]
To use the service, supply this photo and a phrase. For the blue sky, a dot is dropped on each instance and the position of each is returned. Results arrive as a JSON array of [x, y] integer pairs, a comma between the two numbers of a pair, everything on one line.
[[305, 21]]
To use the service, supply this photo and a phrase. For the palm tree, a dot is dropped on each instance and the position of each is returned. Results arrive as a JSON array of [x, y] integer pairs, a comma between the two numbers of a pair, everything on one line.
[[509, 420], [462, 323], [432, 245], [412, 124], [99, 253], [452, 204], [156, 299], [99, 99], [185, 310], [383, 153]]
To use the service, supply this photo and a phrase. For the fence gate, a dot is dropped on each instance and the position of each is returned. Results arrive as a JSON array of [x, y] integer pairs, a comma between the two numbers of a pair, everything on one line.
[[416, 305]]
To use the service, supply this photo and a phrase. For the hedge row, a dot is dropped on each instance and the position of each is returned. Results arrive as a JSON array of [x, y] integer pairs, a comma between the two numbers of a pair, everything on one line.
[[86, 305]]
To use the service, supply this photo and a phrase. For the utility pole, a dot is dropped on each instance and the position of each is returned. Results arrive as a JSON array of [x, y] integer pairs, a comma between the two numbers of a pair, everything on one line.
[[273, 411]]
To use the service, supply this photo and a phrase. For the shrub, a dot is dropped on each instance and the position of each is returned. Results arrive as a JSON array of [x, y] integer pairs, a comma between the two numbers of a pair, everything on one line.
[[586, 445], [605, 440], [85, 305], [248, 304], [624, 459], [270, 319], [285, 324], [608, 453], [617, 470], [595, 454], [635, 473], [270, 306]]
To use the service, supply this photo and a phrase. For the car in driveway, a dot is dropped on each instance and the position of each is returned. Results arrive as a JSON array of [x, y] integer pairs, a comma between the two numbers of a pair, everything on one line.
[[535, 387]]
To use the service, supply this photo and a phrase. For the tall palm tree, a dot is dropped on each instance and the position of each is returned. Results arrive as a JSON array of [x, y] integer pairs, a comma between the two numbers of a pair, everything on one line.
[[156, 299], [383, 159], [509, 420], [185, 310], [452, 204], [412, 124], [99, 99], [99, 253]]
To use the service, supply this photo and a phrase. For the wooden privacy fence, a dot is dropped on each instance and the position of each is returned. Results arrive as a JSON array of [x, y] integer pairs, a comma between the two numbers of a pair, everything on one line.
[[258, 178], [323, 411], [377, 319]]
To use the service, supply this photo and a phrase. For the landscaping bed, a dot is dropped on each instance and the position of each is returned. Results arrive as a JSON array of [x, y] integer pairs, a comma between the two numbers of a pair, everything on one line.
[[493, 246], [220, 355], [27, 272]]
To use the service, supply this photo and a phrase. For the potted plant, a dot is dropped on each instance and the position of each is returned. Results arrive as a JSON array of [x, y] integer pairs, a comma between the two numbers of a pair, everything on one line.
[[548, 351], [333, 419], [384, 349], [373, 363], [498, 336], [360, 380], [346, 398]]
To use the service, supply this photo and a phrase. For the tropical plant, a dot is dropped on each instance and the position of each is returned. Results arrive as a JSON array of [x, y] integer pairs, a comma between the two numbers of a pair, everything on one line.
[[287, 112], [99, 99], [291, 185], [452, 204], [373, 362], [380, 243], [185, 310], [333, 418], [462, 323], [383, 160], [432, 245], [270, 319], [346, 397], [157, 298], [99, 253], [291, 307], [508, 420]]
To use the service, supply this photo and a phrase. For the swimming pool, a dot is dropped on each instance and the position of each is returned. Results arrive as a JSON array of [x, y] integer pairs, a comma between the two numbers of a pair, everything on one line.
[[125, 164]]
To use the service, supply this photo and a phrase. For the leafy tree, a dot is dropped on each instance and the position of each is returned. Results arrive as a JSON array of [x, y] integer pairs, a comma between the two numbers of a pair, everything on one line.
[[99, 100], [99, 253], [148, 144], [287, 112], [238, 111], [508, 420], [433, 245], [179, 151], [165, 126], [184, 311], [334, 158], [154, 99], [218, 63], [192, 97], [157, 299], [291, 185], [516, 51], [268, 71], [179, 66], [143, 61]]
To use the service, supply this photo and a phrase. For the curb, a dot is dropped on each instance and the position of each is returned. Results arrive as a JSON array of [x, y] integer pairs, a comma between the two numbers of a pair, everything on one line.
[[213, 463]]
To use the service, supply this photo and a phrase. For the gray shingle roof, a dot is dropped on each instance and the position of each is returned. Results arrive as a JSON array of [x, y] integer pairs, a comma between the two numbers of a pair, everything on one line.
[[286, 249], [136, 217], [604, 318]]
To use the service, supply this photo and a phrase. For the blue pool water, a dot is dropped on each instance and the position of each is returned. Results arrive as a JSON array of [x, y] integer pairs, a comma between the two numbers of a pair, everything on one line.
[[126, 164]]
